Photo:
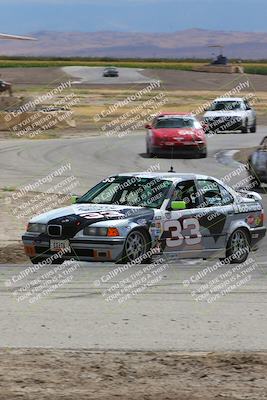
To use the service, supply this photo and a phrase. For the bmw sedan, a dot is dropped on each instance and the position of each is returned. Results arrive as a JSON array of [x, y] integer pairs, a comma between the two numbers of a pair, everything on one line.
[[131, 217]]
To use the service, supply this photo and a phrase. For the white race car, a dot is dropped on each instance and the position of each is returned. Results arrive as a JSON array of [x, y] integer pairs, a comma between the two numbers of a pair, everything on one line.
[[125, 216], [230, 113]]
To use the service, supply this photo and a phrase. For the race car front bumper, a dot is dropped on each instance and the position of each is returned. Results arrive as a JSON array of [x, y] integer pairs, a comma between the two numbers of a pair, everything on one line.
[[177, 148], [257, 234], [93, 249], [224, 124]]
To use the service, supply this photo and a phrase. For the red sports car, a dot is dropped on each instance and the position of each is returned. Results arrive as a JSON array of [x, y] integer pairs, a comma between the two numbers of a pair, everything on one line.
[[172, 133]]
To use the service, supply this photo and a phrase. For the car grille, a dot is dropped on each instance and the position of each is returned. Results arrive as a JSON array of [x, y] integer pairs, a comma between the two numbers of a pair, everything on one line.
[[54, 230]]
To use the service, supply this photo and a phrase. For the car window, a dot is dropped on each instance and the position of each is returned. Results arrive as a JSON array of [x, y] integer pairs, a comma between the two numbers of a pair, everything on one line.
[[226, 106], [197, 124], [186, 191], [227, 198], [213, 194], [129, 191], [107, 194], [174, 122]]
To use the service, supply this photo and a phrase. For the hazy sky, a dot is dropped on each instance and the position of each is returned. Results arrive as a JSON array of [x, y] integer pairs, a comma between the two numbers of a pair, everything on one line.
[[25, 16]]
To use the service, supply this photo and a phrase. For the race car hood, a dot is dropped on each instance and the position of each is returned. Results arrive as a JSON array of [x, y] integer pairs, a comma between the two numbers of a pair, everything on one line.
[[222, 114], [73, 219], [87, 210], [173, 132]]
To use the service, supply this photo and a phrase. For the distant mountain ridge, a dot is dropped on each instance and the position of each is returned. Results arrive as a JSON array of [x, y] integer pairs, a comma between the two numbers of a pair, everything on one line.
[[181, 44]]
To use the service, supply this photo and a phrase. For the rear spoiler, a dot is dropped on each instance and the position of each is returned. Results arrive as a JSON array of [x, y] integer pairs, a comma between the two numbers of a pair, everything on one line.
[[251, 195]]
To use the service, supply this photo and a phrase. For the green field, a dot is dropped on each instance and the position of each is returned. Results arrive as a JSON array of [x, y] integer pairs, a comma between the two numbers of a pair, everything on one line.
[[185, 65]]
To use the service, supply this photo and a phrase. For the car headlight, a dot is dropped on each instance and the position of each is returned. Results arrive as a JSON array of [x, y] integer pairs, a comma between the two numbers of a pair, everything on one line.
[[37, 228], [99, 231]]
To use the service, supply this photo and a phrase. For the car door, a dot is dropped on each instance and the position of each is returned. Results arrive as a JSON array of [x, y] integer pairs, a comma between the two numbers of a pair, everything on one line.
[[217, 210], [181, 228]]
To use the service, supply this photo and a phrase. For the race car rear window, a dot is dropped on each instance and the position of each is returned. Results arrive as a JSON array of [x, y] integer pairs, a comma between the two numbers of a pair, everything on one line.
[[129, 191]]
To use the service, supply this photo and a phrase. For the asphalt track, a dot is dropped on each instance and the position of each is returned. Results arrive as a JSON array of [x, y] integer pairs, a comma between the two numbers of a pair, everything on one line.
[[94, 75], [164, 316]]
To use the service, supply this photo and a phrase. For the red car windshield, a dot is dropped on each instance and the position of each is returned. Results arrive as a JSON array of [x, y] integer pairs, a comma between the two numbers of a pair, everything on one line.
[[176, 123]]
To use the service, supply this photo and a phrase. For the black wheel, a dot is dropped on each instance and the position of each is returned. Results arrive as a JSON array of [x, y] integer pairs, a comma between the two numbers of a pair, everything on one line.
[[245, 128], [253, 129], [148, 151], [238, 247], [203, 154], [137, 244]]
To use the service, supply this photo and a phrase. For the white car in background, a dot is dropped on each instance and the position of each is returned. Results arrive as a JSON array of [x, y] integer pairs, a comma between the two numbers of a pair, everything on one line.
[[230, 113]]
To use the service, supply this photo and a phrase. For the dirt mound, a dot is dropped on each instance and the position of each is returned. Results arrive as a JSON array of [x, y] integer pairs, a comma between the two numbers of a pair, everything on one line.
[[84, 375]]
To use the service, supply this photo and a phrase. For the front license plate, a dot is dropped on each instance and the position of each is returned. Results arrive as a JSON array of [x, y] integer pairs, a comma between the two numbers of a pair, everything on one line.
[[57, 245]]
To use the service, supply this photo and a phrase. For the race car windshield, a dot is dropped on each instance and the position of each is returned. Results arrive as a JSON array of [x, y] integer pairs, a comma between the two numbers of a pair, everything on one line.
[[175, 123], [129, 191], [225, 106]]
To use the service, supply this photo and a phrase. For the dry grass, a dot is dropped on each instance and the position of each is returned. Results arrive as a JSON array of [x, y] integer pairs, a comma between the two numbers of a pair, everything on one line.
[[92, 103]]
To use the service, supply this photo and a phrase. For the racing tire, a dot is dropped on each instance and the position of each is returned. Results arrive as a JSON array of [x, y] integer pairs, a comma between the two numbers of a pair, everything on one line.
[[203, 154], [245, 128], [148, 151], [238, 247], [136, 245], [253, 129]]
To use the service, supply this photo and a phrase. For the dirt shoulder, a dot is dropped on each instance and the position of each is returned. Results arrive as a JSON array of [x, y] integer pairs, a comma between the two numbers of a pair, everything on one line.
[[68, 374], [15, 213]]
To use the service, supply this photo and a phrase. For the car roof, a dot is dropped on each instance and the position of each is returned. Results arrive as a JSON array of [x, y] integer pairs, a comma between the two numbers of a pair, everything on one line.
[[172, 176], [174, 115], [229, 99]]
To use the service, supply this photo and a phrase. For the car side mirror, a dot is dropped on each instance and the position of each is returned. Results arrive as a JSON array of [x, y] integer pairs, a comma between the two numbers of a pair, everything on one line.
[[147, 126], [178, 205], [74, 199]]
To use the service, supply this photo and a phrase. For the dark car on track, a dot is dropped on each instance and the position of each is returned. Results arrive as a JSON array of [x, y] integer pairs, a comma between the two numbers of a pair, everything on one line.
[[111, 72], [257, 163], [171, 133]]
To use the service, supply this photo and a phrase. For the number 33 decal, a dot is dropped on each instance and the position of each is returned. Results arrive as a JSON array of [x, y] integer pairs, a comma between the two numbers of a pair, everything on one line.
[[175, 228]]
